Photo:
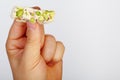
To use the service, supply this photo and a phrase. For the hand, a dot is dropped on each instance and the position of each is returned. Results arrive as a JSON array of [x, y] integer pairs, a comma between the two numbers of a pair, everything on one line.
[[32, 54]]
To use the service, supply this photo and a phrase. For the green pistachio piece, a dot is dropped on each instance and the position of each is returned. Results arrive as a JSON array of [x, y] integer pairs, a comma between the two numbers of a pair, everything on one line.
[[41, 19], [32, 20], [46, 11], [19, 13], [51, 14], [38, 13], [45, 15]]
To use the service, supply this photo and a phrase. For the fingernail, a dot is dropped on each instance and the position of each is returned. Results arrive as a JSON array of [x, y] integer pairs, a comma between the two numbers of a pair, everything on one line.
[[31, 25]]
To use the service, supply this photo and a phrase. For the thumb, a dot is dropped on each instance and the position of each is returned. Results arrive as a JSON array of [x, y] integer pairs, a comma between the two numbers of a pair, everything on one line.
[[35, 38]]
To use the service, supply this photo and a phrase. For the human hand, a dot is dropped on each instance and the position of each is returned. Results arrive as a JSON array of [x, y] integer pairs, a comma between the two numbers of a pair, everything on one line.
[[32, 54]]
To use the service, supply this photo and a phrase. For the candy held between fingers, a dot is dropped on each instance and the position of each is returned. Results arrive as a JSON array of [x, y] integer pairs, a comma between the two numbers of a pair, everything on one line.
[[24, 14]]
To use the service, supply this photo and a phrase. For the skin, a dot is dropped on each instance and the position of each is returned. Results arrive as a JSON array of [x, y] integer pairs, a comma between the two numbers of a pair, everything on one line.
[[32, 54]]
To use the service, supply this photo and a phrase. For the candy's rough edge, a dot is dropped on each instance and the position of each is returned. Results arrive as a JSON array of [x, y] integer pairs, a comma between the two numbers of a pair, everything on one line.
[[24, 14]]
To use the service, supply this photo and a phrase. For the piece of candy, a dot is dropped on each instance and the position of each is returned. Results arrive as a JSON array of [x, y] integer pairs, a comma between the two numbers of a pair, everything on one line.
[[24, 14]]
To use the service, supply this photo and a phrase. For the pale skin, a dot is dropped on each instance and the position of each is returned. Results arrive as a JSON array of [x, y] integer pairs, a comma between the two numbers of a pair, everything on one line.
[[34, 55]]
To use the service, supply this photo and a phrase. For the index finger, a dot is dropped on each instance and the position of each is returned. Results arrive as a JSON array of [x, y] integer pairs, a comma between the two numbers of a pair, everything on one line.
[[17, 30]]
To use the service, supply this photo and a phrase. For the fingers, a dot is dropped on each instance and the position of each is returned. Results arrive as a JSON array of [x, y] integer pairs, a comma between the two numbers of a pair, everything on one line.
[[53, 50], [59, 52], [35, 38], [35, 32], [17, 30], [49, 48]]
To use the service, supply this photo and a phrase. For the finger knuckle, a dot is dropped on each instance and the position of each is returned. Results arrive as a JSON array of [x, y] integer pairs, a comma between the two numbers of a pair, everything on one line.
[[50, 37], [59, 43]]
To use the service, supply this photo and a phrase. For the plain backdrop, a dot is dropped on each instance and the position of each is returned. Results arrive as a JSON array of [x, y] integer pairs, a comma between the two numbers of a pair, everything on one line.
[[90, 30]]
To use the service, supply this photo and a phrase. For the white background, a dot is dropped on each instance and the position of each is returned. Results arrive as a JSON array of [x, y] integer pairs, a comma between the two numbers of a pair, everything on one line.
[[90, 30]]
